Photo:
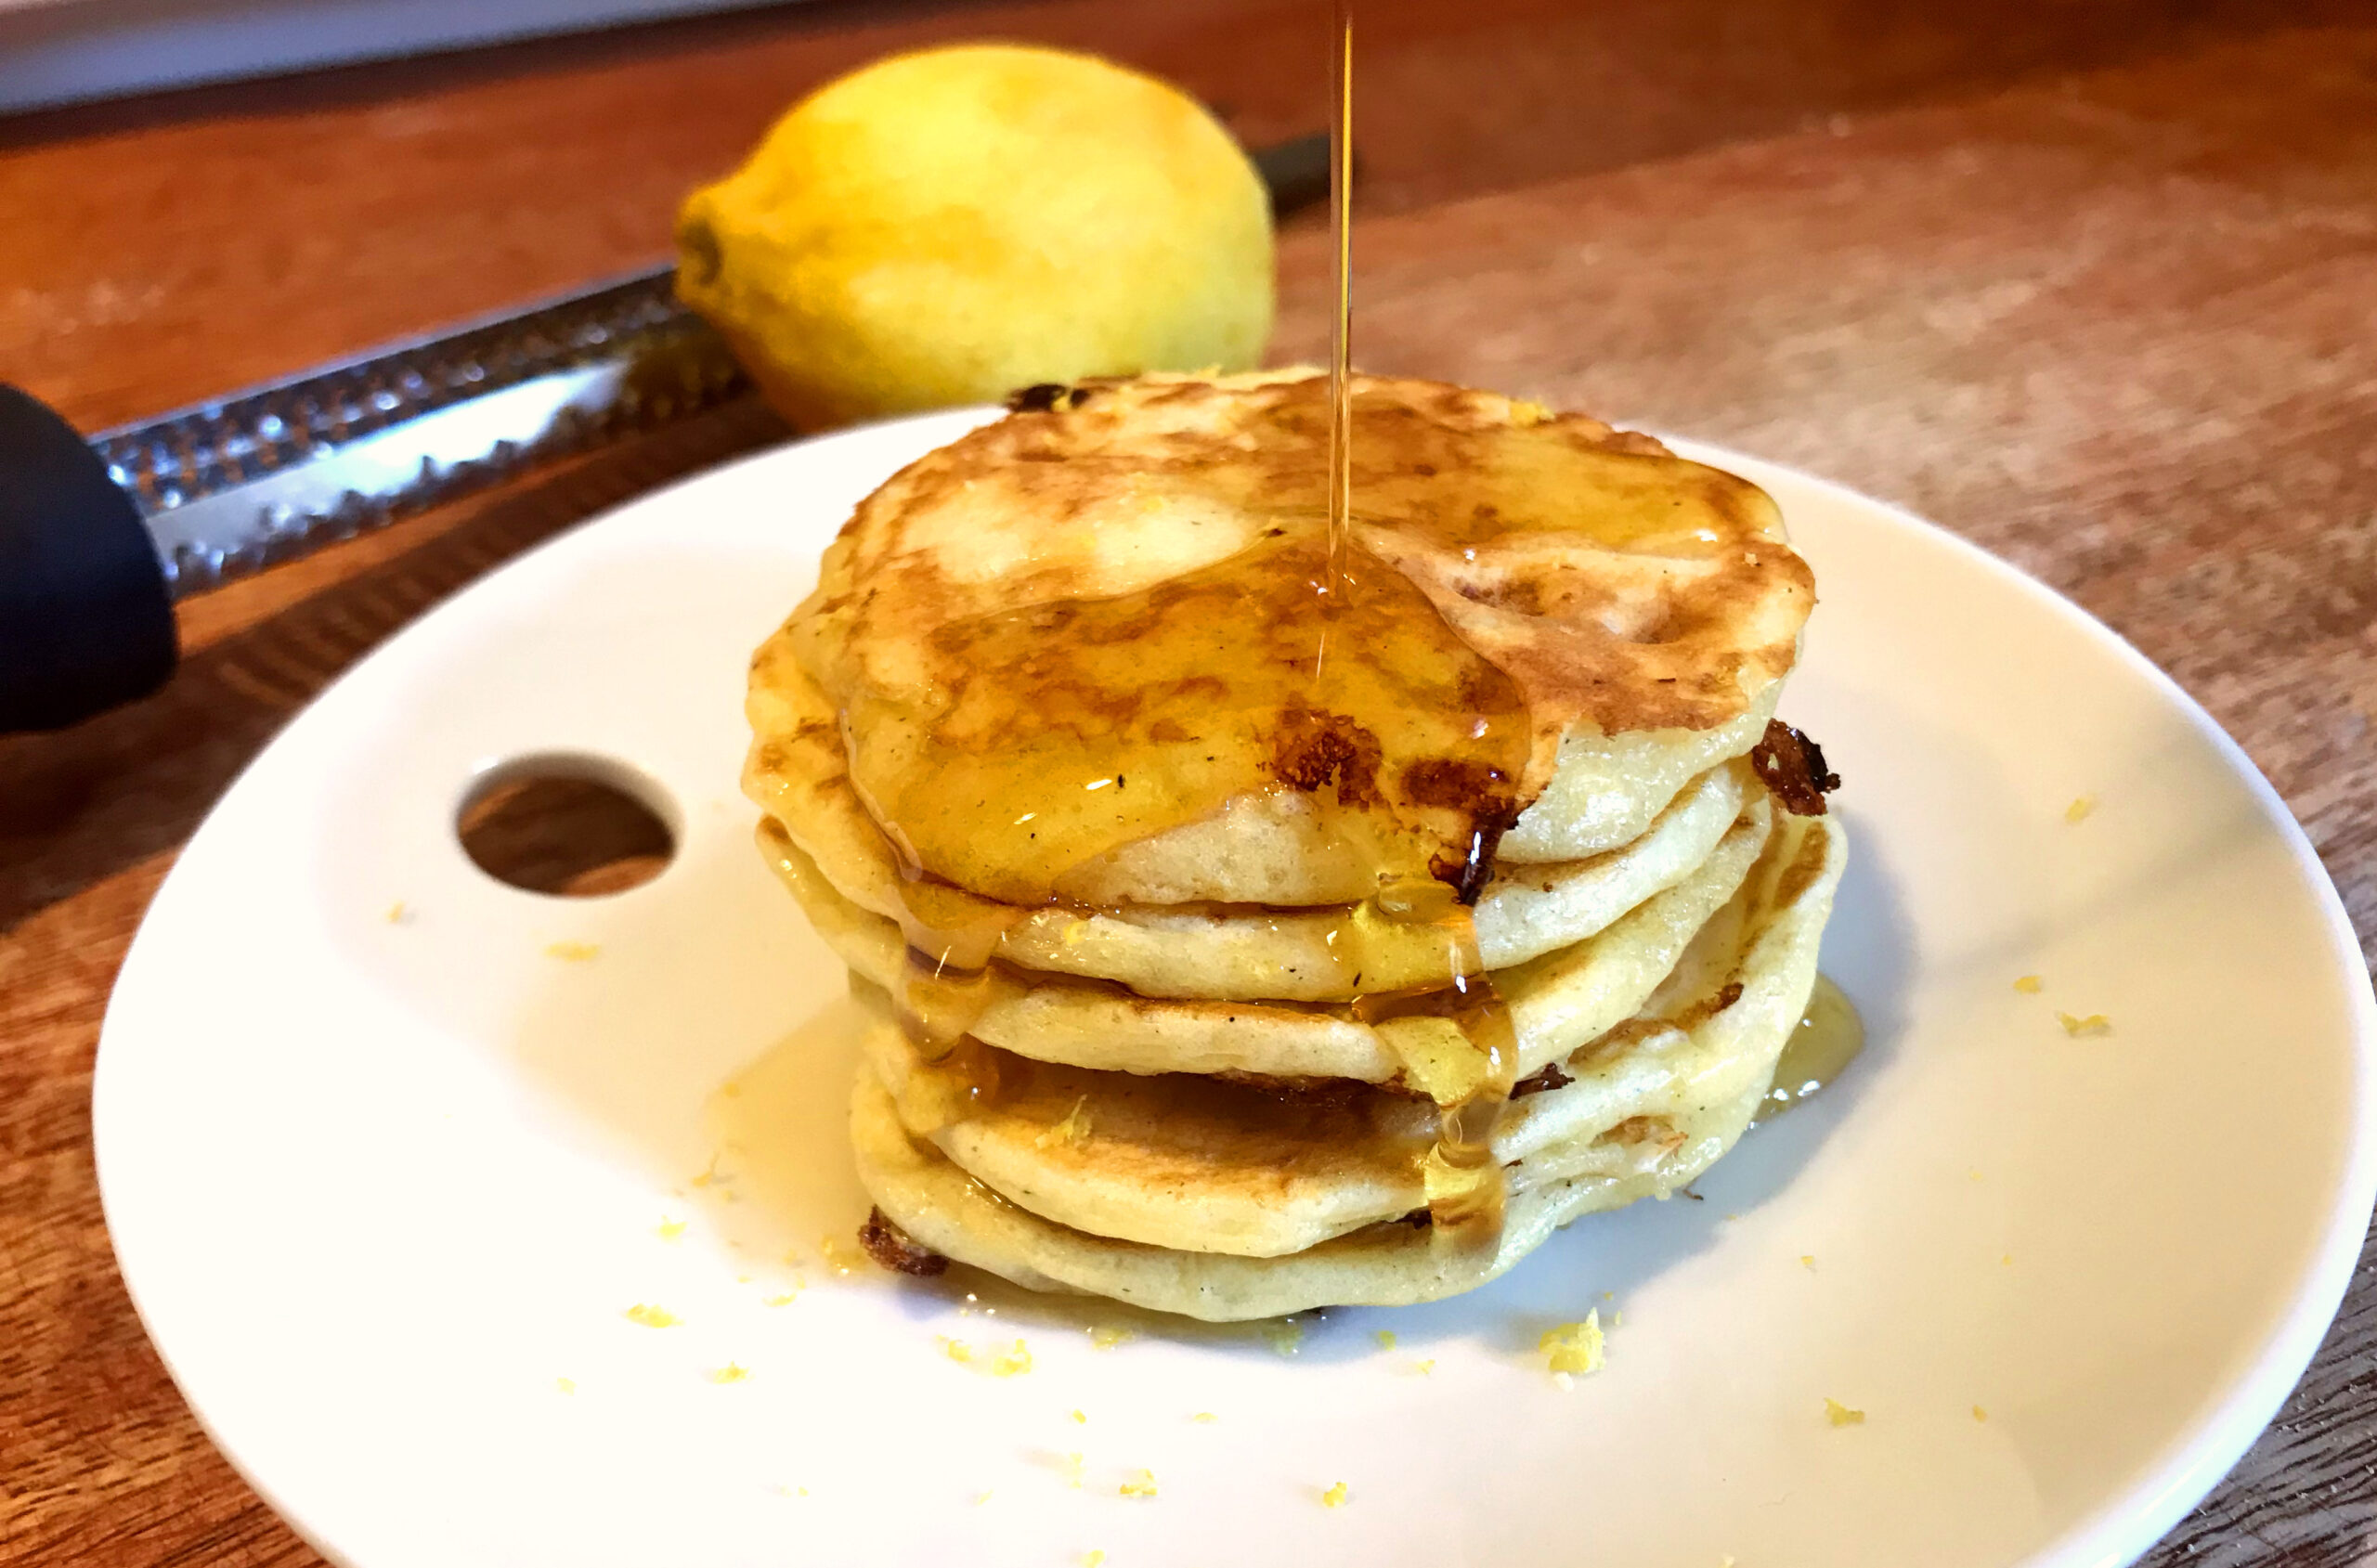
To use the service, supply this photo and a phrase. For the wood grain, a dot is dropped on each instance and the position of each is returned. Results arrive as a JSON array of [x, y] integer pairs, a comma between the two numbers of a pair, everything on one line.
[[2093, 284]]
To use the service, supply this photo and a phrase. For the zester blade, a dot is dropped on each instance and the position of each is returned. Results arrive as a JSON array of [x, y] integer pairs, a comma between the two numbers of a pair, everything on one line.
[[231, 486]]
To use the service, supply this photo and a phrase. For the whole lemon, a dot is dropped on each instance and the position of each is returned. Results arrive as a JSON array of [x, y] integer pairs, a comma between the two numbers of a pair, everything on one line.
[[945, 226]]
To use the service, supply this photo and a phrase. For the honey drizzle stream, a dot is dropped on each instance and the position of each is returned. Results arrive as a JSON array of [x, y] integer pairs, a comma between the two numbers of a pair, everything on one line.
[[1341, 367], [1465, 1187], [1413, 663]]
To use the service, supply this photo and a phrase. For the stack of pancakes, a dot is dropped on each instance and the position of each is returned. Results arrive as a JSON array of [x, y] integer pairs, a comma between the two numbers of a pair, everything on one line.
[[1241, 930]]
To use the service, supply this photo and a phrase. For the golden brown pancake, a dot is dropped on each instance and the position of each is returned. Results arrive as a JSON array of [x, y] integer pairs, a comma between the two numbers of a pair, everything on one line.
[[1256, 913], [1558, 1001], [1517, 581]]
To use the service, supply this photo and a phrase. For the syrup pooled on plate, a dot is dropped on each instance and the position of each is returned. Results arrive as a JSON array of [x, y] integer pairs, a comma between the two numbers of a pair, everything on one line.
[[1827, 1038]]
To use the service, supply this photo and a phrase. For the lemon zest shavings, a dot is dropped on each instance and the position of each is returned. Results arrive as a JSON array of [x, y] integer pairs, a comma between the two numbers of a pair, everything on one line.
[[1072, 1130], [1574, 1347]]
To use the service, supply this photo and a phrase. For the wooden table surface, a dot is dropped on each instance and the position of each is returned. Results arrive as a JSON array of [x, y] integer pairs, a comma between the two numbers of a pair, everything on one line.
[[2093, 284]]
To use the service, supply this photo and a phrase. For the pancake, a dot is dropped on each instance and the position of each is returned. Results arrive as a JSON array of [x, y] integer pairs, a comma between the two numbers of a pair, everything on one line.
[[1558, 1001], [1605, 789], [1253, 913], [1236, 954], [941, 1208], [1204, 1164], [1530, 593], [1727, 1057]]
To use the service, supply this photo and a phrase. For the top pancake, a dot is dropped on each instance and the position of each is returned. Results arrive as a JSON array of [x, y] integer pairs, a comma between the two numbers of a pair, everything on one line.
[[1081, 653]]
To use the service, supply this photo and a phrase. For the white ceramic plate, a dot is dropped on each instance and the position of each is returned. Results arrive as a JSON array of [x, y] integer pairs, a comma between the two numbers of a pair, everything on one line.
[[377, 1186]]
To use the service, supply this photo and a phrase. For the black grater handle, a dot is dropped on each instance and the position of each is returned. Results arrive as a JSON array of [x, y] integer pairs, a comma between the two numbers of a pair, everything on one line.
[[85, 623]]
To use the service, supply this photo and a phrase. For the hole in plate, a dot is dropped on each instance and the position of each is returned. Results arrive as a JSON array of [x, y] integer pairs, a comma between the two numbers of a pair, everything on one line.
[[574, 827]]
